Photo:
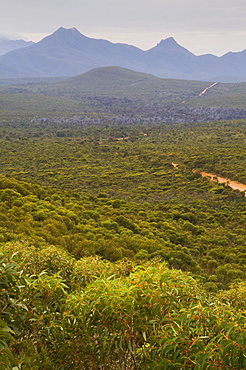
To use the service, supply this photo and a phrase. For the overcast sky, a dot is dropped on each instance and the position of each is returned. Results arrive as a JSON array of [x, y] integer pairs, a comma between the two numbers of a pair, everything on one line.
[[202, 26]]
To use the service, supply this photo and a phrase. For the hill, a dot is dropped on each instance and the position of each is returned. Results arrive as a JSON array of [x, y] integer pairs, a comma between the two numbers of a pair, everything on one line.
[[128, 96], [117, 82], [67, 52]]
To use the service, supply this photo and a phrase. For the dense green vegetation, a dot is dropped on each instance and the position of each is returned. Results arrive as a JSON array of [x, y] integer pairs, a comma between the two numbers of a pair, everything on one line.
[[122, 83], [113, 192], [53, 151], [110, 256], [223, 95], [93, 314]]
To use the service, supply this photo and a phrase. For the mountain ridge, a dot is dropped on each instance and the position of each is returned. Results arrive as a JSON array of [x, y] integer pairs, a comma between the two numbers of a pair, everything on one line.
[[67, 52], [7, 45]]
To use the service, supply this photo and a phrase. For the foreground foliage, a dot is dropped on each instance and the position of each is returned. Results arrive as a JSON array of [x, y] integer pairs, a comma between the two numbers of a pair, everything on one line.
[[106, 315]]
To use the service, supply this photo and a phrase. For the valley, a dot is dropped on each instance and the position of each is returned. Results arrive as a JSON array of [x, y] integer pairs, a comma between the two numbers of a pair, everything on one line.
[[114, 253]]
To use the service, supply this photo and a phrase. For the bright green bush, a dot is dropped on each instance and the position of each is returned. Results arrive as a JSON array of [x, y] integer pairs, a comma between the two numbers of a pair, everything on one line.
[[105, 315], [12, 309]]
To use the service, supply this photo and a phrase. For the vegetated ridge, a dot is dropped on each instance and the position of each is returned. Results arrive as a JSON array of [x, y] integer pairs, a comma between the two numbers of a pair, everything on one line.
[[128, 96]]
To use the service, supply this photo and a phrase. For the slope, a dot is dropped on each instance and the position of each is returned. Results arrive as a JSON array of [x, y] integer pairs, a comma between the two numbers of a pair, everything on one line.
[[67, 52], [7, 45]]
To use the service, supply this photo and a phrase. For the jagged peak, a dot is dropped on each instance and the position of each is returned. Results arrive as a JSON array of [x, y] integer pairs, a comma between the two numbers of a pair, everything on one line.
[[170, 44], [63, 30], [169, 40], [63, 35]]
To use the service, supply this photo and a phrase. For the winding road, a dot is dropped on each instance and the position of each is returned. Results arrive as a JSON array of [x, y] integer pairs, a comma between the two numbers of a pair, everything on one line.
[[204, 91], [235, 185], [207, 88]]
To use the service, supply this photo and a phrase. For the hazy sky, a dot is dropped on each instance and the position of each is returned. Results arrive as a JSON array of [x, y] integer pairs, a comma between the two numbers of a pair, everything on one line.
[[202, 26]]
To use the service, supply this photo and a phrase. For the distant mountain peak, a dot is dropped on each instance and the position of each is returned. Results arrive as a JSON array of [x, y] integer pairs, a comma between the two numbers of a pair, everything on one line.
[[67, 52], [62, 31], [7, 45], [169, 40], [170, 47], [63, 37], [170, 44], [73, 29]]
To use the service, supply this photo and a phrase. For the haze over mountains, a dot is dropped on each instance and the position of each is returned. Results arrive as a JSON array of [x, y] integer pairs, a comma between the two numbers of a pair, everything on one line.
[[7, 45], [67, 52]]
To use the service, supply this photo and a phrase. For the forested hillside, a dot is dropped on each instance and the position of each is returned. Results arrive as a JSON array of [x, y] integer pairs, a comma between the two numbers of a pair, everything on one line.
[[115, 253], [122, 96]]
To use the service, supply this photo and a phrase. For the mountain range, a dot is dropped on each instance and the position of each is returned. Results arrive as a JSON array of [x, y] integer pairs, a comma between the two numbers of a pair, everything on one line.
[[67, 52], [7, 45]]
